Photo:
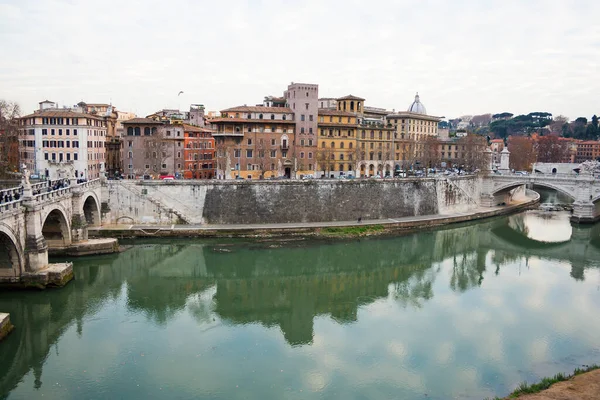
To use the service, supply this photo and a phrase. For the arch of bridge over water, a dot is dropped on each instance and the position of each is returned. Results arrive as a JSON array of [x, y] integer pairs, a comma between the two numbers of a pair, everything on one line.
[[583, 189], [42, 217]]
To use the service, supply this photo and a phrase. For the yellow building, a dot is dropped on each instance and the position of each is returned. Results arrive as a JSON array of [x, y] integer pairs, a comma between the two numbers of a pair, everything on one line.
[[336, 143], [376, 142]]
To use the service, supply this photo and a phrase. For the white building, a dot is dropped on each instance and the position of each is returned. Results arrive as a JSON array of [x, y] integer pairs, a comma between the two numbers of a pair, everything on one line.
[[52, 139]]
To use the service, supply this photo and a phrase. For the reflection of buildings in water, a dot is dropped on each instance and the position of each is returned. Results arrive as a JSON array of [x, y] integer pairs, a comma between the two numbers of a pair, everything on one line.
[[285, 286]]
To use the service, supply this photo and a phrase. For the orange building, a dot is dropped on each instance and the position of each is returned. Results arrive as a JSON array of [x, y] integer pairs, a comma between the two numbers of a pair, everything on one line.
[[198, 152], [588, 151]]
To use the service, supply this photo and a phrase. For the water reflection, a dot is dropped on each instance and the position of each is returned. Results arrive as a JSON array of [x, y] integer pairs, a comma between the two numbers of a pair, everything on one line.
[[374, 318], [543, 226]]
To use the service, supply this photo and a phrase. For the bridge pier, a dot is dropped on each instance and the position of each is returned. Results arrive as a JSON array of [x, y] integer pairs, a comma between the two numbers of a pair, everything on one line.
[[36, 248], [79, 232]]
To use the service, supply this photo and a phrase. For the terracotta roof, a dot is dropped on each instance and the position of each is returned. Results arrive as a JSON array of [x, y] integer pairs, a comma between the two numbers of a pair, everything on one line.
[[497, 141], [351, 97], [328, 111], [194, 128], [259, 109], [245, 120], [406, 114], [141, 121], [60, 113]]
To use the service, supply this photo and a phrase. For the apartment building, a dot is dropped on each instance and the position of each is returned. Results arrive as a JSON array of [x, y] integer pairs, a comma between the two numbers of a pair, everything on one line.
[[302, 99], [198, 153], [53, 138], [255, 142]]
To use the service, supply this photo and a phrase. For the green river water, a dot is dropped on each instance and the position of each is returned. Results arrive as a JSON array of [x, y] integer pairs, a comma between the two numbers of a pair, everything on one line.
[[465, 312]]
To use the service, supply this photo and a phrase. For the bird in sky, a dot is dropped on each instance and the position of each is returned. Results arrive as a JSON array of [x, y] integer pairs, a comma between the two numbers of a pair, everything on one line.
[[179, 92]]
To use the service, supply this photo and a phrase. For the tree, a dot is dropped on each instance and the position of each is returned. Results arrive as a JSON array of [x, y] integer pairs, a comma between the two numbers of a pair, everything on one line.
[[325, 159], [550, 149], [9, 138], [473, 152], [522, 153], [481, 120], [156, 150], [431, 155]]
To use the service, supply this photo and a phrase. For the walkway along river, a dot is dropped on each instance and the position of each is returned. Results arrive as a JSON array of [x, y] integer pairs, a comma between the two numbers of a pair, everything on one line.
[[464, 312]]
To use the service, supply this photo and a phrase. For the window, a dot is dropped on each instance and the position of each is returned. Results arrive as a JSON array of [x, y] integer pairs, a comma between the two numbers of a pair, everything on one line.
[[284, 117], [350, 145], [302, 117], [45, 156], [310, 167], [75, 156], [273, 153], [301, 142], [52, 131], [309, 157], [260, 116], [249, 142], [342, 156], [147, 166], [164, 166], [130, 143], [310, 142], [333, 145], [272, 116], [284, 153], [44, 131], [137, 131], [68, 156], [237, 153], [301, 154], [302, 130], [130, 154], [168, 133], [306, 104], [310, 118], [273, 143], [342, 145], [249, 153], [147, 131], [130, 166]]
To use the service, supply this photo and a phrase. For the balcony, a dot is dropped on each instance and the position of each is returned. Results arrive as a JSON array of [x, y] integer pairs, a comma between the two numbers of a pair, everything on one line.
[[285, 146]]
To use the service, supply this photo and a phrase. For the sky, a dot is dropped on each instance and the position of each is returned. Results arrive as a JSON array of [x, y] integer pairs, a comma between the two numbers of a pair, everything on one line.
[[464, 57]]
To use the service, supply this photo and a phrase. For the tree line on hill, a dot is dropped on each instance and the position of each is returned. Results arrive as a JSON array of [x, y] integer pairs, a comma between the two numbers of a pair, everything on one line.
[[505, 124]]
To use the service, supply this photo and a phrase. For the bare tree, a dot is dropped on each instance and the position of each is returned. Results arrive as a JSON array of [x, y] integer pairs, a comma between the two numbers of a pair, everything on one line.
[[156, 153], [550, 149], [522, 153], [325, 159], [9, 137], [473, 152], [223, 153], [430, 155], [262, 158]]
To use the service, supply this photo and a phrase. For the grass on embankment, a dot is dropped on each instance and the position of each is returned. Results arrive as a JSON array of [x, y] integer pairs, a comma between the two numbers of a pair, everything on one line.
[[525, 388], [351, 231]]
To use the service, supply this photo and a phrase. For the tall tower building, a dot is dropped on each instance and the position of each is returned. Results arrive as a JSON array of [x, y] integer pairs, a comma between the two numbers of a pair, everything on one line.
[[303, 100]]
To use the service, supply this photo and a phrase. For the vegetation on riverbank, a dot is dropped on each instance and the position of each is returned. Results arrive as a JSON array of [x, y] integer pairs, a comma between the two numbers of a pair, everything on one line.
[[351, 231], [525, 388]]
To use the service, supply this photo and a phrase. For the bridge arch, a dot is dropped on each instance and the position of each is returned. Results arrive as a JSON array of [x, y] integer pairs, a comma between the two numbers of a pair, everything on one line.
[[91, 210], [56, 229], [513, 185], [11, 254]]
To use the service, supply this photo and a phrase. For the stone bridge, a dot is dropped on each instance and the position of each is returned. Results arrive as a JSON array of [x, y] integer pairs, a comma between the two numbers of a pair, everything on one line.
[[583, 189], [42, 217]]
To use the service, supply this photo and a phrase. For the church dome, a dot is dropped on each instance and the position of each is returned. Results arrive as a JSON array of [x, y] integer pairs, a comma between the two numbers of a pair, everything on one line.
[[417, 107]]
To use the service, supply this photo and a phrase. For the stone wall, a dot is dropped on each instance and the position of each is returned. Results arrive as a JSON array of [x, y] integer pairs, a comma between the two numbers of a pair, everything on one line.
[[233, 202]]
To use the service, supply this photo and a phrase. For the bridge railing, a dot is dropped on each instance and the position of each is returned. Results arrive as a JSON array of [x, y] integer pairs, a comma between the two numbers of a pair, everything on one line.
[[89, 184], [547, 176], [10, 206]]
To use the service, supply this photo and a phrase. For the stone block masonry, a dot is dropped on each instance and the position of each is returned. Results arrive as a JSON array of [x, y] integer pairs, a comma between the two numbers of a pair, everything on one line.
[[293, 201], [5, 325]]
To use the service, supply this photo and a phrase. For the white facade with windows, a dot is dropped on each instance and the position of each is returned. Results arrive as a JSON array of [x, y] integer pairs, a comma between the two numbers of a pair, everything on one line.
[[51, 138]]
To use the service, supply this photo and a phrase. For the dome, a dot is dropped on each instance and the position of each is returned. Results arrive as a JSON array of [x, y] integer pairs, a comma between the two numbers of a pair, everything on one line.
[[417, 107]]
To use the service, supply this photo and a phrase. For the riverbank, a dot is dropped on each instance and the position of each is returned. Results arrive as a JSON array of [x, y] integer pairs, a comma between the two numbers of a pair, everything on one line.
[[583, 384], [387, 226]]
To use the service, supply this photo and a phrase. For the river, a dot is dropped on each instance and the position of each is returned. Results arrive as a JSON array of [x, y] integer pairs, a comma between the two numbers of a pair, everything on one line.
[[466, 312]]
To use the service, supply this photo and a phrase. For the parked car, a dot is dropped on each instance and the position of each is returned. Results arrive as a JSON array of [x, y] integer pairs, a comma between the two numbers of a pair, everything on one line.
[[167, 178]]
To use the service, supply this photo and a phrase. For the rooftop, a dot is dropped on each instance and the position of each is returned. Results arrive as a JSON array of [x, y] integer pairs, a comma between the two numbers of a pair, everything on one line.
[[351, 97], [263, 109], [60, 113], [142, 121]]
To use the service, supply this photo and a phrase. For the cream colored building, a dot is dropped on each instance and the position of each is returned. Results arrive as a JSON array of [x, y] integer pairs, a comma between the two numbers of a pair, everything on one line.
[[413, 127]]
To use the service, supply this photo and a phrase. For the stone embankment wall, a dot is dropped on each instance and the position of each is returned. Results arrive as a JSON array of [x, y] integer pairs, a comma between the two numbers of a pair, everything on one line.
[[232, 202]]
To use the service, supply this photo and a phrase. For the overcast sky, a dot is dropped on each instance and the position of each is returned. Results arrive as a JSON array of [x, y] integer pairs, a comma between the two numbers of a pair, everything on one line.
[[463, 57]]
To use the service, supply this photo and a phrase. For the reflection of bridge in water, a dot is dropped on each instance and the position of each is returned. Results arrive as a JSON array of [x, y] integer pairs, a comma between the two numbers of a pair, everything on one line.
[[255, 283]]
